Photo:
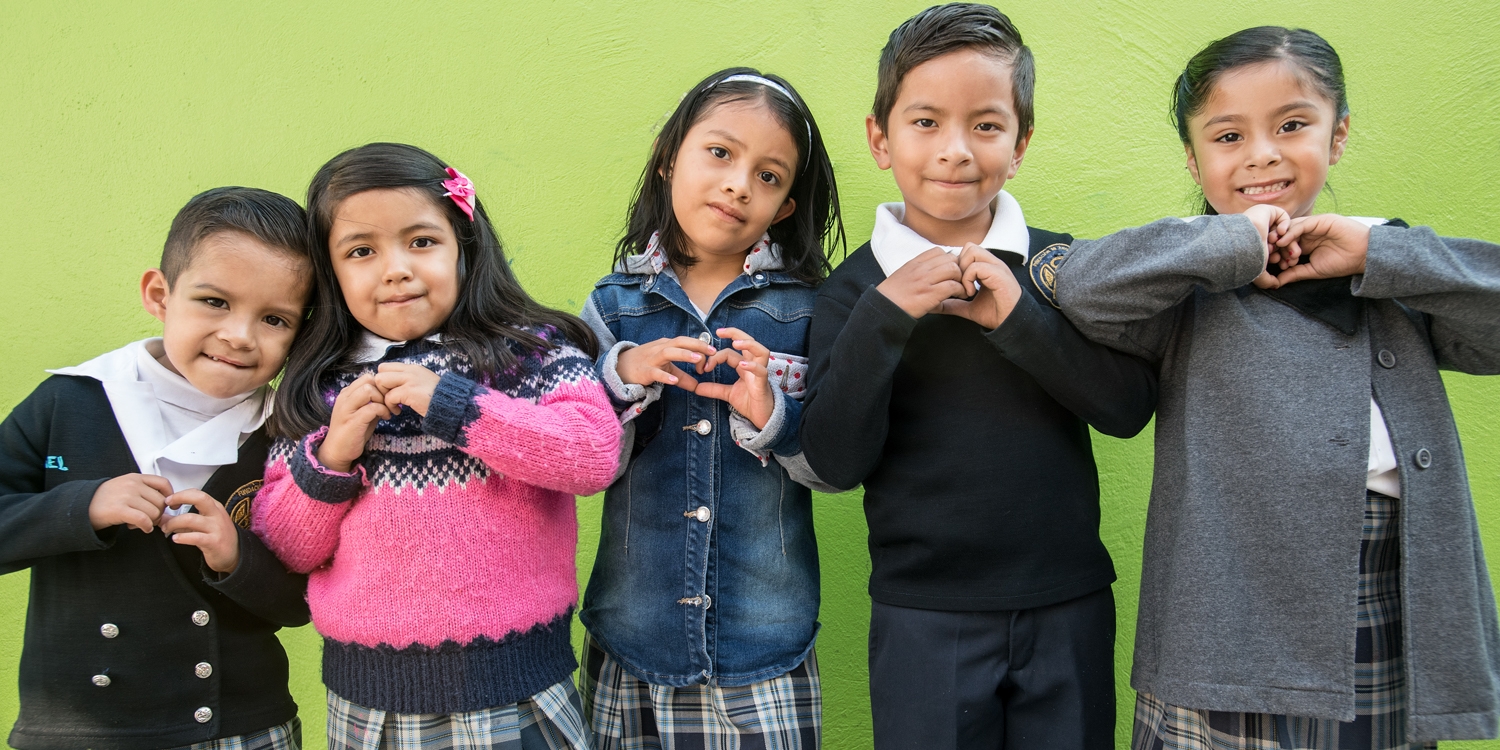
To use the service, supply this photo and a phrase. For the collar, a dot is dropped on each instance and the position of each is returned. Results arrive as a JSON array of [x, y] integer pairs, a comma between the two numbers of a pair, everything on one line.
[[373, 348], [894, 243], [136, 391], [765, 255]]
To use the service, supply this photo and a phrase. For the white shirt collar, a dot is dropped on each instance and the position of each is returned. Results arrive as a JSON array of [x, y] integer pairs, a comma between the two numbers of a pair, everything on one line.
[[373, 348], [894, 243], [137, 385]]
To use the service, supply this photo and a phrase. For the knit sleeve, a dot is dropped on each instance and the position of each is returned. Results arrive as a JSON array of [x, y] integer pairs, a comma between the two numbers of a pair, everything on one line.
[[298, 510], [555, 429]]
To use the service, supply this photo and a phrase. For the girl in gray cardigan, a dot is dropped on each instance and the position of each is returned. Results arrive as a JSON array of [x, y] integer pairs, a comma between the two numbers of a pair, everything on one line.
[[1313, 575]]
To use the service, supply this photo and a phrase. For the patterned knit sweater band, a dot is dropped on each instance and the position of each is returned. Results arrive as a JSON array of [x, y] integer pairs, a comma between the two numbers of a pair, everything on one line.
[[441, 568]]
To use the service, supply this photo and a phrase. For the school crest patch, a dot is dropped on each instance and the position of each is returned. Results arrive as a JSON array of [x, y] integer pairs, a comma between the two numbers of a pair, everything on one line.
[[239, 501], [1044, 267]]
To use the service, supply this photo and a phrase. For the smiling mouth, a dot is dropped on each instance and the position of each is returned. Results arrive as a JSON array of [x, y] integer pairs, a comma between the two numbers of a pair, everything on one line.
[[953, 183], [224, 361], [1274, 187], [400, 299]]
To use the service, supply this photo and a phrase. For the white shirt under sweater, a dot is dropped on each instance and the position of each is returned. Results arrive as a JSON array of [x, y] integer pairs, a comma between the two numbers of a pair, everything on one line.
[[173, 429]]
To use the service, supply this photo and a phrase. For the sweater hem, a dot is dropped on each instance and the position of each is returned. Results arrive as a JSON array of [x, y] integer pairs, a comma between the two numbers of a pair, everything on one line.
[[1479, 725], [452, 678], [151, 737], [1055, 595], [1334, 705]]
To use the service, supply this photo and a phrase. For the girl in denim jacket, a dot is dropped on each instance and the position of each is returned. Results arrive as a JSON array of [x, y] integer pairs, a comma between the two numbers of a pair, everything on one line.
[[702, 606]]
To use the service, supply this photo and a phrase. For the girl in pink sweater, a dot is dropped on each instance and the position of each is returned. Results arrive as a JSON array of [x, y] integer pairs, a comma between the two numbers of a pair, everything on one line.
[[435, 423]]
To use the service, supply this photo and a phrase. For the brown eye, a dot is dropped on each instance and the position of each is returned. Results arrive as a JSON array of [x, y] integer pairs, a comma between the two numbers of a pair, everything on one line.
[[719, 152], [361, 252]]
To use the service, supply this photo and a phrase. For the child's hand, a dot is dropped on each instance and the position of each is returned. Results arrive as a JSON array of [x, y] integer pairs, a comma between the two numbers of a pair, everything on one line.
[[998, 290], [1272, 222], [359, 407], [920, 286], [1333, 245], [652, 362], [406, 385], [132, 500], [210, 530], [751, 394]]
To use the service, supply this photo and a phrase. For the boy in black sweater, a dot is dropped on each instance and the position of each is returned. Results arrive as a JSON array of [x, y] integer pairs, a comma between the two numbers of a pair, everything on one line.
[[138, 640], [945, 380]]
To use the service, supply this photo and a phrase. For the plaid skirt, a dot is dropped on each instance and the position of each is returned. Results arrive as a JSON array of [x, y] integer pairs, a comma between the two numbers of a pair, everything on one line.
[[782, 713], [1379, 676], [549, 720], [286, 736]]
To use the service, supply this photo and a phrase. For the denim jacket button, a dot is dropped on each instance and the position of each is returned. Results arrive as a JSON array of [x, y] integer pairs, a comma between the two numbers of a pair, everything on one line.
[[702, 514], [706, 337], [707, 602], [702, 427]]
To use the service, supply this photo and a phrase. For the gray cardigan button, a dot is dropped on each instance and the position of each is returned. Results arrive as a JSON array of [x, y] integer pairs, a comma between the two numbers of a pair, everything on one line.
[[1386, 359], [1423, 458]]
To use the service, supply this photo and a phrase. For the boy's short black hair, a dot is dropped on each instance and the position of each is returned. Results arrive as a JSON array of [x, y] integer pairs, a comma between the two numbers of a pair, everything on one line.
[[273, 219], [948, 28]]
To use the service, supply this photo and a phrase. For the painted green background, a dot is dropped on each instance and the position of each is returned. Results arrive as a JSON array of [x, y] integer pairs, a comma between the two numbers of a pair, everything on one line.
[[113, 115]]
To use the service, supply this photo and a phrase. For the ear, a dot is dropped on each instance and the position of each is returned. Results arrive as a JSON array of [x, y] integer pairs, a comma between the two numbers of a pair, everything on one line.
[[1340, 140], [879, 145], [154, 293], [1020, 153], [1192, 163], [787, 209]]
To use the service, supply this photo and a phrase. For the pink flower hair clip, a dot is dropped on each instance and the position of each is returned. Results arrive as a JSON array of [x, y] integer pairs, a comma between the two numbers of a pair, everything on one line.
[[461, 190]]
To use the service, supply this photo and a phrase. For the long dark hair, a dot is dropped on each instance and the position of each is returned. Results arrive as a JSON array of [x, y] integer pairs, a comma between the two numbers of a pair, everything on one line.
[[493, 318], [807, 237], [1316, 61]]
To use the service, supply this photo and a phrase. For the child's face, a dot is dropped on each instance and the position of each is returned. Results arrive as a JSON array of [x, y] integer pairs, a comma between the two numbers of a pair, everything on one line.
[[396, 258], [1264, 137], [229, 321], [951, 140], [731, 178]]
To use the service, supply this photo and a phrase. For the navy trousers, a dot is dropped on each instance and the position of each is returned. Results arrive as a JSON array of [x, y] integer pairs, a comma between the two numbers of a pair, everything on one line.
[[1014, 679]]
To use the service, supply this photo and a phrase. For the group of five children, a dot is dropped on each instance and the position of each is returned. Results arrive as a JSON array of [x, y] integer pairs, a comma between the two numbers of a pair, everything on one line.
[[1313, 576]]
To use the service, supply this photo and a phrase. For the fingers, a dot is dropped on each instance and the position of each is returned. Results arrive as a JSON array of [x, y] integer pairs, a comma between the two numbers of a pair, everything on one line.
[[960, 308], [746, 344], [160, 484], [196, 498], [371, 413], [671, 374], [689, 343], [720, 391], [137, 518], [1295, 273], [187, 522], [1266, 281]]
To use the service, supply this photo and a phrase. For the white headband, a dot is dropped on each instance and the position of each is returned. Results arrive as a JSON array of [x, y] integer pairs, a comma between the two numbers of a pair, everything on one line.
[[774, 86]]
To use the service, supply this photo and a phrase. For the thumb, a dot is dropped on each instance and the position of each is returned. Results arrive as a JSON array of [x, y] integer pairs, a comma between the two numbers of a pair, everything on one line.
[[1299, 272], [956, 307]]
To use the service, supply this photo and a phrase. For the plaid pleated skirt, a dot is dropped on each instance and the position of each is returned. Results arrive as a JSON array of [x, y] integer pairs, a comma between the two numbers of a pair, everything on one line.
[[782, 713], [549, 720], [1379, 674], [286, 736]]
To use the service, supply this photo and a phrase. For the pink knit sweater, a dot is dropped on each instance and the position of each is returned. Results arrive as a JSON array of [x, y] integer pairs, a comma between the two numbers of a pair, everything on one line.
[[441, 570]]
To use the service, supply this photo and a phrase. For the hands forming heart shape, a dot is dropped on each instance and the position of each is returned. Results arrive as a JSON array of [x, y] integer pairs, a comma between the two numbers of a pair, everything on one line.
[[370, 398], [1325, 246], [973, 284], [750, 395]]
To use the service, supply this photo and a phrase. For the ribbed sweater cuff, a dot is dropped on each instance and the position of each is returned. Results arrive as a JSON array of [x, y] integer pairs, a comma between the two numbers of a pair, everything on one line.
[[452, 407], [451, 678], [320, 482]]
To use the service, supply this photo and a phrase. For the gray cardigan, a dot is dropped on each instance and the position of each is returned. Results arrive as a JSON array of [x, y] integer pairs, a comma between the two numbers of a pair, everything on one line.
[[1252, 540]]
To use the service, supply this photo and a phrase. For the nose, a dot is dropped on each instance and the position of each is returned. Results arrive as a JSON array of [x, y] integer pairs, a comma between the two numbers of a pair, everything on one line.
[[237, 332], [737, 184], [954, 149], [1263, 152], [397, 267]]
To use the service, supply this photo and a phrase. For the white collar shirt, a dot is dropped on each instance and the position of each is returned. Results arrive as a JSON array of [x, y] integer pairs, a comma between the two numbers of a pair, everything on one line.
[[895, 244]]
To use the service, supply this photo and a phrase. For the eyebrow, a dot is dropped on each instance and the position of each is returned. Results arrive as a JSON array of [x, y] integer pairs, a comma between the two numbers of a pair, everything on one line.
[[998, 111], [726, 135], [367, 234], [1292, 107]]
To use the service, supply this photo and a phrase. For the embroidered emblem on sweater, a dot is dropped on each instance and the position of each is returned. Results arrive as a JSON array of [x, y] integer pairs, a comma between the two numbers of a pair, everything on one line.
[[56, 462], [1044, 267], [239, 503]]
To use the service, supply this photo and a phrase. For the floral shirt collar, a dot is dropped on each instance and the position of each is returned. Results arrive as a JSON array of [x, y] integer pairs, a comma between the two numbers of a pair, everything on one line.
[[764, 256]]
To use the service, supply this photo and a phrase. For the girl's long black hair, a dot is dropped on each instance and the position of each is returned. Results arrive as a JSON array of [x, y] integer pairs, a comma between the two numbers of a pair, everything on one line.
[[493, 314], [1316, 61], [807, 238]]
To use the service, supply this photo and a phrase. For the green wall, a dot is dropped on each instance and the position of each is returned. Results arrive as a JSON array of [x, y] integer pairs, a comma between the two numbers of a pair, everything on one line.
[[112, 115]]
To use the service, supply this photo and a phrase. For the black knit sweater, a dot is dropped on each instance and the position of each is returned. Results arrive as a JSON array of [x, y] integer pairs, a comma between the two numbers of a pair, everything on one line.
[[981, 492]]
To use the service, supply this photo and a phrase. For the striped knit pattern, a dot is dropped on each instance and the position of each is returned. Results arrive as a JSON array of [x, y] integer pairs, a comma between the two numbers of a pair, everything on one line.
[[441, 569]]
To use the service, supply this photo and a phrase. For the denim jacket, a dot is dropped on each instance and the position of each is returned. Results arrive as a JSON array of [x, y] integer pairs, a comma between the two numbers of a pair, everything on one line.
[[707, 570]]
